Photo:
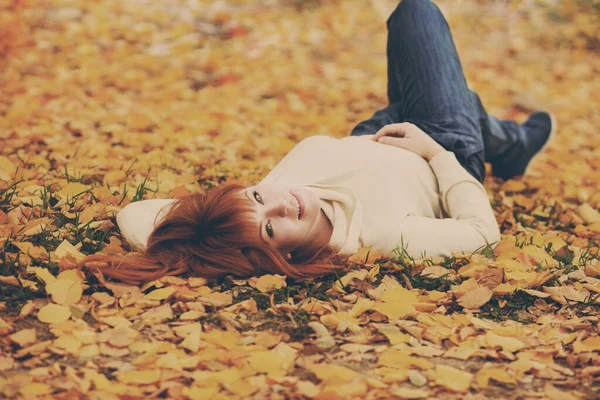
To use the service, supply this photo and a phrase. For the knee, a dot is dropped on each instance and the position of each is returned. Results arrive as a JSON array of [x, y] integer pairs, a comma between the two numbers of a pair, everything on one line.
[[421, 10]]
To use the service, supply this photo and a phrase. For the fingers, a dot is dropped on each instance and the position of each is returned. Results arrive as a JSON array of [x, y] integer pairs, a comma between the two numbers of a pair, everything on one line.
[[393, 141], [391, 130]]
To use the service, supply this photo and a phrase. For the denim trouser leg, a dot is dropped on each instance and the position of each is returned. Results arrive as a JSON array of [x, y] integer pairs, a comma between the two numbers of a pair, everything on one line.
[[427, 86]]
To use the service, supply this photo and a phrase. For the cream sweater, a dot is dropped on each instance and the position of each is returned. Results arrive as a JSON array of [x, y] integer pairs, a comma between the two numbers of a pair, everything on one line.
[[384, 197], [375, 195]]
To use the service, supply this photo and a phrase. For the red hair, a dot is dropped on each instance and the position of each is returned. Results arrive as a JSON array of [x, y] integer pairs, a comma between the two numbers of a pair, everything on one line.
[[210, 235]]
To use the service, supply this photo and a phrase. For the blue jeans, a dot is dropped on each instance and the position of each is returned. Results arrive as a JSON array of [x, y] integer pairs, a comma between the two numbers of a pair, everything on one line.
[[427, 87]]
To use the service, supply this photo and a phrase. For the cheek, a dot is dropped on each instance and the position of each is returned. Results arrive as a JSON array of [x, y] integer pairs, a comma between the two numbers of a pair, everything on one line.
[[287, 232]]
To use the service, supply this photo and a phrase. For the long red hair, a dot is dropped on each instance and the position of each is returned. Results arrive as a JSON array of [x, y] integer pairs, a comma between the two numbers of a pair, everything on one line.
[[210, 235]]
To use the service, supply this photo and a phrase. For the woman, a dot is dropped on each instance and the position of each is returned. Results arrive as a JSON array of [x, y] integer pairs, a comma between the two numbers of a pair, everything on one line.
[[409, 177]]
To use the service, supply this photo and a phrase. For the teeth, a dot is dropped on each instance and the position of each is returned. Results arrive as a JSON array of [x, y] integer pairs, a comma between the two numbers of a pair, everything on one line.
[[297, 205]]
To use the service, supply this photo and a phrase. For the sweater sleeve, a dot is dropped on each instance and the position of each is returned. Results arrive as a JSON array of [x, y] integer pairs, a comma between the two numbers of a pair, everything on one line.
[[471, 225], [137, 220]]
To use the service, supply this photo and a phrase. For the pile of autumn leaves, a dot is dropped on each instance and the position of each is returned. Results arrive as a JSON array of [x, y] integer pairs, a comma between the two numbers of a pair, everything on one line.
[[374, 335]]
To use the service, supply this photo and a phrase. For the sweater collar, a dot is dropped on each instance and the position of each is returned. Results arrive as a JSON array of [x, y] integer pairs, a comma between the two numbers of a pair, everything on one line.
[[344, 211]]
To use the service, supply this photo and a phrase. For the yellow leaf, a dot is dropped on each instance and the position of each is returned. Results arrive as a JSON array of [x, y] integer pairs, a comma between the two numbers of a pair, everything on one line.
[[393, 334], [160, 294], [226, 339], [396, 358], [464, 287], [89, 212], [192, 341], [364, 255], [556, 241], [65, 292], [268, 339], [241, 388], [122, 336], [72, 189], [589, 344], [399, 295], [7, 169], [72, 275], [89, 351], [268, 362], [191, 315], [408, 393], [504, 289], [395, 311], [68, 343], [5, 327], [35, 389], [540, 256], [114, 178], [24, 337], [307, 388], [332, 374], [169, 361], [553, 393], [67, 249], [361, 306], [219, 299], [139, 377], [53, 313], [44, 275], [200, 393], [484, 375], [475, 298], [509, 344], [158, 314], [360, 274], [588, 213], [268, 283], [452, 378]]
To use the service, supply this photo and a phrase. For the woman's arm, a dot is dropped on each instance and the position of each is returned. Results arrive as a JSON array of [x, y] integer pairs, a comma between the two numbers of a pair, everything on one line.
[[471, 225]]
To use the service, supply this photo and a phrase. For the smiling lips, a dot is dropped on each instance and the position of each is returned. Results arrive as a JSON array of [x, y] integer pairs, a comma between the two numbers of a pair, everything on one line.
[[299, 204]]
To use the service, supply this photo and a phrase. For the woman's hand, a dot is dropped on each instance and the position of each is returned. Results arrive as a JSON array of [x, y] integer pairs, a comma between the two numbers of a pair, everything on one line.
[[410, 137]]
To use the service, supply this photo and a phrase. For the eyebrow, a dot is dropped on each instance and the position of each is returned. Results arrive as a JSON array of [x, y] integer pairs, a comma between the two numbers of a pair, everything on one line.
[[260, 229]]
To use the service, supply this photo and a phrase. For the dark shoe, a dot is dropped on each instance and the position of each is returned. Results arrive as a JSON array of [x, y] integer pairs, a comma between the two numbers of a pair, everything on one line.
[[538, 130]]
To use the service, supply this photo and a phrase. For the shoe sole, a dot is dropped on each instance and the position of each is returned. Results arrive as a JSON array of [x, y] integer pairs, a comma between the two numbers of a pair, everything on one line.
[[553, 124]]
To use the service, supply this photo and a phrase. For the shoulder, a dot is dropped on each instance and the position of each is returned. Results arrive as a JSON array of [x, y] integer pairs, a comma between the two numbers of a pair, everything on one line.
[[144, 208], [137, 220]]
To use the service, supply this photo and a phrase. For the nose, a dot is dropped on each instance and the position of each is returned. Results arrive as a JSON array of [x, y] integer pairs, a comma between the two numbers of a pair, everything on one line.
[[279, 208]]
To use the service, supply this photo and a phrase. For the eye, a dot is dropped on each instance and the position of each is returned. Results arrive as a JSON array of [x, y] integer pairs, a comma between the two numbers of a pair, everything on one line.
[[258, 197], [269, 229]]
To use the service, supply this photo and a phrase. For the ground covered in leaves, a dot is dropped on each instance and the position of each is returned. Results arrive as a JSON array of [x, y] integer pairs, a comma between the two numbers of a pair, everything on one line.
[[107, 102]]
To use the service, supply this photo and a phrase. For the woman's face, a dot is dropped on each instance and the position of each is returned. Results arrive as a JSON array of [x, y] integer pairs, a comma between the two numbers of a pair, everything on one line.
[[289, 218]]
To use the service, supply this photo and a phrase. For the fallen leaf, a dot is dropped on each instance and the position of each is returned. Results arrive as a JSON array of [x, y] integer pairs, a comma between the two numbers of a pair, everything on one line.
[[24, 337], [475, 298], [65, 292], [161, 294], [53, 313], [452, 378], [268, 283]]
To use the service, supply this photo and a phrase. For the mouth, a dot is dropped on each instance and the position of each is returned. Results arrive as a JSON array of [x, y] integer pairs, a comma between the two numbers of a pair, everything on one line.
[[299, 204]]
